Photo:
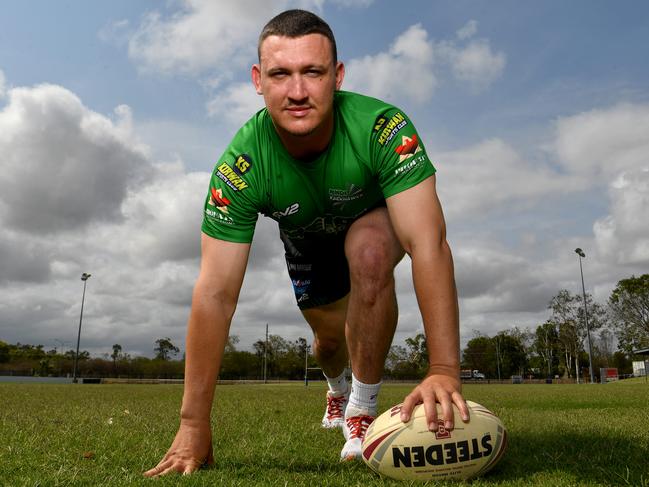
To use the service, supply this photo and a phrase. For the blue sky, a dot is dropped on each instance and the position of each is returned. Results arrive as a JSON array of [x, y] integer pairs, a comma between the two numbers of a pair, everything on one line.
[[113, 113]]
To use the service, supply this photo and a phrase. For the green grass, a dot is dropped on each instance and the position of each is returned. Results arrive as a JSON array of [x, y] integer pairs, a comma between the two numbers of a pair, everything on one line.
[[559, 435]]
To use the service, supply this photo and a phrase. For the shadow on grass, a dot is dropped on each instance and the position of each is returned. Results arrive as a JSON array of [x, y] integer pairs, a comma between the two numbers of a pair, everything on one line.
[[609, 460]]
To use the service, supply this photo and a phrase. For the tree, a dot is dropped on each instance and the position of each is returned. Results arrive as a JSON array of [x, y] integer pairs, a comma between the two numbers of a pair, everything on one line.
[[165, 349], [568, 314], [117, 353], [480, 354], [629, 305], [418, 353], [546, 344]]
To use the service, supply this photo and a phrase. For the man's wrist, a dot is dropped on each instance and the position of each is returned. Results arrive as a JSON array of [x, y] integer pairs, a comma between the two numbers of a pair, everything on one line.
[[448, 370]]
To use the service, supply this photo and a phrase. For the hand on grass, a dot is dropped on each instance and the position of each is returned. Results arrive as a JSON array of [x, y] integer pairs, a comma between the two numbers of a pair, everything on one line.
[[436, 388], [191, 449]]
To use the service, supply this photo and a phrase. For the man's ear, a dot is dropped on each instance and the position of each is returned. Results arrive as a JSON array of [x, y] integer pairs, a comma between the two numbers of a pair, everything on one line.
[[255, 74], [340, 74]]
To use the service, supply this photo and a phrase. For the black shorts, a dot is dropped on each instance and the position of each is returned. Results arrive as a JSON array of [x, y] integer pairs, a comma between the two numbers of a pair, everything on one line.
[[318, 269]]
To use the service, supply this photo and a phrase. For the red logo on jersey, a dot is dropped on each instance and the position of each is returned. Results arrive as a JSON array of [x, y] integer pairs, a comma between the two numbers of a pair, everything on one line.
[[409, 146], [217, 199]]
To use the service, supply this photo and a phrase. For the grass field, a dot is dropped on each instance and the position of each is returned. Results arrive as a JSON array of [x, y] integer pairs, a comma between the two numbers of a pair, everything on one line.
[[559, 435]]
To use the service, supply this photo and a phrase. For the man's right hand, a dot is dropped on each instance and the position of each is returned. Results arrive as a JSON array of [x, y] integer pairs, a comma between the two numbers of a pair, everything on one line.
[[191, 449]]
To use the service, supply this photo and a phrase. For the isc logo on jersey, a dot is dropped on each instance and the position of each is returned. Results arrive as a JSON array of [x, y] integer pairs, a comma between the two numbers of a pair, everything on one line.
[[288, 211]]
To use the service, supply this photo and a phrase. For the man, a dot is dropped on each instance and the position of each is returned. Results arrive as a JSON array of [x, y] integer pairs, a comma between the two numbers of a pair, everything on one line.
[[352, 189]]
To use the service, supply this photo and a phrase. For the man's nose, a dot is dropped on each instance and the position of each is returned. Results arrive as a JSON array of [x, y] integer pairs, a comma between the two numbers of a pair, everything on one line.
[[297, 88]]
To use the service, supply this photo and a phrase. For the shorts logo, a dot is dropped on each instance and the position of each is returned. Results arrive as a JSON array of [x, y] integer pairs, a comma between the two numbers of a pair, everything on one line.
[[390, 128], [231, 178], [217, 199], [408, 148], [242, 164]]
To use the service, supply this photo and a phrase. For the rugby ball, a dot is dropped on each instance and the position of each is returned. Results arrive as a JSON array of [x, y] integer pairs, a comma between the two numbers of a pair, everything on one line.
[[409, 451]]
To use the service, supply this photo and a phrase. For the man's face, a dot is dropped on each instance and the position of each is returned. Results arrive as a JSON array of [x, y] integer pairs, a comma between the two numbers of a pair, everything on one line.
[[297, 78]]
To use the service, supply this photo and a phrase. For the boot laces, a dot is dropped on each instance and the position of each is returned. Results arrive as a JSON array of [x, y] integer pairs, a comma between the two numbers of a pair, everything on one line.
[[335, 406], [358, 425]]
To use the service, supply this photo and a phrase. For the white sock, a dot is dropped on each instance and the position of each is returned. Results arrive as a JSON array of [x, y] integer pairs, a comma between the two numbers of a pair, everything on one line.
[[337, 385], [363, 398]]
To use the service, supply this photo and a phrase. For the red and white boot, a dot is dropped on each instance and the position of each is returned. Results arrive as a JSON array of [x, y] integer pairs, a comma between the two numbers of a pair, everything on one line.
[[334, 416], [354, 430]]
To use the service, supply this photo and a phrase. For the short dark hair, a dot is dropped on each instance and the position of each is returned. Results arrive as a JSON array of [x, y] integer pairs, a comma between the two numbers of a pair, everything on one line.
[[297, 23]]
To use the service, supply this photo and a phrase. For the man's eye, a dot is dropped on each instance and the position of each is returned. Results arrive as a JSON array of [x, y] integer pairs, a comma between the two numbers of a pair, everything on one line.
[[314, 73]]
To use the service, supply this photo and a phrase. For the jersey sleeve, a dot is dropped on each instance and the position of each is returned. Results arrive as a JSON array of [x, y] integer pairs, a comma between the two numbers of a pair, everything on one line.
[[231, 208], [399, 156]]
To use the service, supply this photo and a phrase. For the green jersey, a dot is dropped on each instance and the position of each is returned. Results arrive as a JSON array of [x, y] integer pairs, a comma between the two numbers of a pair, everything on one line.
[[375, 152]]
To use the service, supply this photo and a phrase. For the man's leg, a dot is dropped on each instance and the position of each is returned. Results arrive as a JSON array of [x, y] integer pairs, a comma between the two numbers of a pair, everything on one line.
[[372, 251], [330, 350]]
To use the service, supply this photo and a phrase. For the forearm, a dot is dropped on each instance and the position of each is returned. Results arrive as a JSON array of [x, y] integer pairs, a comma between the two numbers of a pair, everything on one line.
[[207, 333], [434, 281]]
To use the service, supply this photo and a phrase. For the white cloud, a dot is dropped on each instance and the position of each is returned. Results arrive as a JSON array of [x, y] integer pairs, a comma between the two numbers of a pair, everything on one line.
[[477, 64], [603, 143], [202, 36], [405, 71], [413, 65], [623, 236], [468, 30], [236, 103], [491, 174], [115, 32], [64, 165]]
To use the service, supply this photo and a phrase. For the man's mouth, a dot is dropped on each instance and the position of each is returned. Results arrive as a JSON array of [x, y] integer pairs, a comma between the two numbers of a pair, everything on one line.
[[298, 111]]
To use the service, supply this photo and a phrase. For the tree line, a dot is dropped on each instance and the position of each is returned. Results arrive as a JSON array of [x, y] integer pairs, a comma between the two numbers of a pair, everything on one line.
[[557, 347]]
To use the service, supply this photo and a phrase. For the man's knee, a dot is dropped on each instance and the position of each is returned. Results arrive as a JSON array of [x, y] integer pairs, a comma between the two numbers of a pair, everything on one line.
[[327, 347], [371, 269]]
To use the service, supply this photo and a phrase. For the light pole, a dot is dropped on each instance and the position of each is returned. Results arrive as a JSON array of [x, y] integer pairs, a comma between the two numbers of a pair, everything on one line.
[[581, 254], [84, 278], [306, 363]]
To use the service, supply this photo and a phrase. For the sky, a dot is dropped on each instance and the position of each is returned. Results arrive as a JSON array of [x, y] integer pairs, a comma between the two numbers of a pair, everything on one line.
[[113, 114]]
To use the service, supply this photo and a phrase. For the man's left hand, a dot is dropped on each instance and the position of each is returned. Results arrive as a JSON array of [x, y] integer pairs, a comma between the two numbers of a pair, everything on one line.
[[436, 388]]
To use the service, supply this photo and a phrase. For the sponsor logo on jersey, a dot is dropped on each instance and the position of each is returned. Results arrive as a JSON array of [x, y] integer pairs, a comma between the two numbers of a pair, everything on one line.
[[380, 122], [231, 178], [390, 128], [408, 148], [341, 197], [219, 217], [218, 200], [288, 211], [410, 165], [242, 164]]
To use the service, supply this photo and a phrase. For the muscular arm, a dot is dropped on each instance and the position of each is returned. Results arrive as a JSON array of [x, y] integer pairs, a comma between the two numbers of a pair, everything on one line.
[[417, 218], [214, 300]]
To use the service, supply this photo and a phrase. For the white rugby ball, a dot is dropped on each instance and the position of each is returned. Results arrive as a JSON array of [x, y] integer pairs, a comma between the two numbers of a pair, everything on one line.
[[409, 451]]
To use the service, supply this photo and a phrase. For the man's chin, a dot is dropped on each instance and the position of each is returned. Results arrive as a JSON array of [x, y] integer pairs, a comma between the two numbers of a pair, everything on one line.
[[299, 130]]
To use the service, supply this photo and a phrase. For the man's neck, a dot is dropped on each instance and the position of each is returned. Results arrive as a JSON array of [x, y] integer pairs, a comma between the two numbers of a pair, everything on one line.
[[308, 147]]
